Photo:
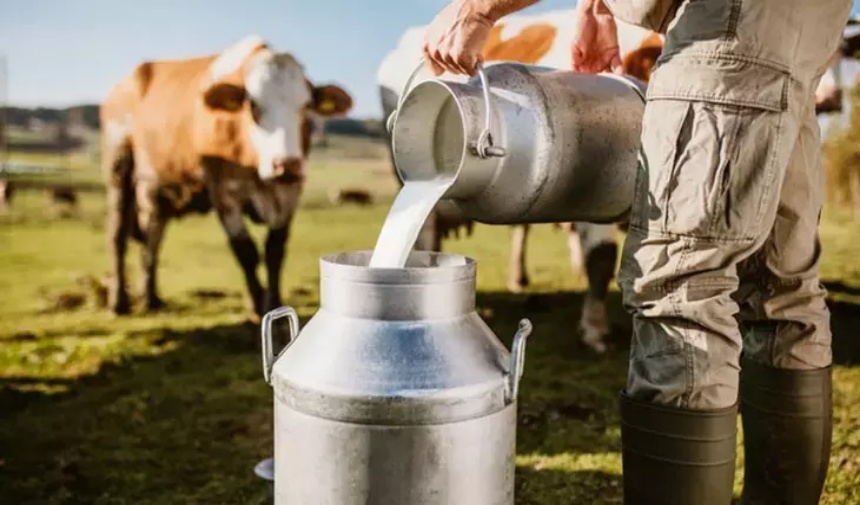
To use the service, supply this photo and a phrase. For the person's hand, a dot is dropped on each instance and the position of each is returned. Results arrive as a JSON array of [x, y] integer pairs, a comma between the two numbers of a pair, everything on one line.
[[454, 40], [595, 39]]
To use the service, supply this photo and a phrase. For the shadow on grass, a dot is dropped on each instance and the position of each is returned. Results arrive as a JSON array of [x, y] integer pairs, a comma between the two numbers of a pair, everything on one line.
[[183, 425], [187, 423], [568, 393], [568, 397], [845, 321]]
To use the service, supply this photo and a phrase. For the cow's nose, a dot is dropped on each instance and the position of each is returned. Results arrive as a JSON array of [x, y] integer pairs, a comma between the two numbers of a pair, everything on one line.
[[288, 168]]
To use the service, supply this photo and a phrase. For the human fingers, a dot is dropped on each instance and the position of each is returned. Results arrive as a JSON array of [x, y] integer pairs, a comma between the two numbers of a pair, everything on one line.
[[455, 58], [432, 63]]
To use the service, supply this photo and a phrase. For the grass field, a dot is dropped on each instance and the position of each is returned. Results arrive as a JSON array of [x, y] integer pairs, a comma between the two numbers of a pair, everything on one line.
[[172, 408]]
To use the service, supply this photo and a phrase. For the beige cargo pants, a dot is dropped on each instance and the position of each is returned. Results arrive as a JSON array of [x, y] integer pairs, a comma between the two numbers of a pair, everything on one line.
[[723, 250]]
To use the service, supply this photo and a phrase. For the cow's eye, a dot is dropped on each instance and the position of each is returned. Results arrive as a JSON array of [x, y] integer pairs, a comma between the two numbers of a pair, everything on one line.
[[256, 111]]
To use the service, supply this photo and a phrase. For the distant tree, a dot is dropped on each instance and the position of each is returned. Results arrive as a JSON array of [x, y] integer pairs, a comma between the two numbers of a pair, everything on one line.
[[19, 116]]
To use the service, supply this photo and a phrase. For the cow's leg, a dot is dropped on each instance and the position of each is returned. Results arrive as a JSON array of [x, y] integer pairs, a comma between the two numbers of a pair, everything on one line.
[[276, 243], [574, 244], [600, 252], [153, 233], [117, 228], [517, 275], [244, 250], [120, 214]]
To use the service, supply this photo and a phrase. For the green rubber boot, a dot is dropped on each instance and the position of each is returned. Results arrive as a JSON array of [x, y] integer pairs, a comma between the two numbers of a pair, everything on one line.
[[787, 421], [676, 456]]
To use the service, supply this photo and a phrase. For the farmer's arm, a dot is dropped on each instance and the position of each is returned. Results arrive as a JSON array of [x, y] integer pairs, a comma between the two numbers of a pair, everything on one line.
[[595, 41], [456, 36], [496, 9]]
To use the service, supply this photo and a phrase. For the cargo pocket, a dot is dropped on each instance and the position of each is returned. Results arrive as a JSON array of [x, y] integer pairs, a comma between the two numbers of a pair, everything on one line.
[[710, 142]]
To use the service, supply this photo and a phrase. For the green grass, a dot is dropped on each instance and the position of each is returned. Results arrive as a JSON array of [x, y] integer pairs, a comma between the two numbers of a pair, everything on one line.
[[172, 408]]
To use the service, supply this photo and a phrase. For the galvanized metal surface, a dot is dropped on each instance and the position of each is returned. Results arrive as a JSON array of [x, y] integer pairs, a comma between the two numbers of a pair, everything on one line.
[[570, 143], [395, 391], [323, 462]]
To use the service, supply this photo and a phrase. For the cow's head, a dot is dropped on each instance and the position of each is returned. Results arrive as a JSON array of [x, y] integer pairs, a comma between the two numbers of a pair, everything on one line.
[[274, 101]]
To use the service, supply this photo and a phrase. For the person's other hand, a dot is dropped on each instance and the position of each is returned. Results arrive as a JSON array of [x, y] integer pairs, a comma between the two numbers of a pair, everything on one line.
[[595, 39], [454, 40]]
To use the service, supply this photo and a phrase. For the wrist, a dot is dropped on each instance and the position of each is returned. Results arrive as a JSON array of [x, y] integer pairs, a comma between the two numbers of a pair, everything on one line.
[[493, 10], [592, 7], [586, 5]]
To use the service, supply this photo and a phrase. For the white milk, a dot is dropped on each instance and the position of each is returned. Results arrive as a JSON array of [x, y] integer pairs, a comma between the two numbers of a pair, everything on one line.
[[411, 208], [417, 198]]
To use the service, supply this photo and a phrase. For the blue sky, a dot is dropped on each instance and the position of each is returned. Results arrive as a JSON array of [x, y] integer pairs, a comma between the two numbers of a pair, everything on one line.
[[62, 52]]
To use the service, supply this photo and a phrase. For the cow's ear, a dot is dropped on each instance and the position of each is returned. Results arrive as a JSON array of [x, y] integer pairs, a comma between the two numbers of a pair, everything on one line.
[[225, 97], [331, 100]]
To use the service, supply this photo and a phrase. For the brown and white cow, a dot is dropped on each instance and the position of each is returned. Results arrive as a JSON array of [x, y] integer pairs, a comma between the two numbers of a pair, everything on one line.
[[545, 40], [229, 131]]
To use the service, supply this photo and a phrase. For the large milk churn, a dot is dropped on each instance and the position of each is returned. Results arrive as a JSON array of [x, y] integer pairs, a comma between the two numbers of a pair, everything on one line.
[[395, 392], [524, 144]]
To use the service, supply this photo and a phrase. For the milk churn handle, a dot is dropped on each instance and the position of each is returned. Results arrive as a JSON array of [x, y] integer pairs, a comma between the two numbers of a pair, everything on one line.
[[518, 358], [389, 124], [269, 357], [484, 146]]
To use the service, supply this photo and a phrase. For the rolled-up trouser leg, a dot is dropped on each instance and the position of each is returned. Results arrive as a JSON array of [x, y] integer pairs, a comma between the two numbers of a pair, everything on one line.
[[784, 318], [706, 197], [785, 375], [726, 106]]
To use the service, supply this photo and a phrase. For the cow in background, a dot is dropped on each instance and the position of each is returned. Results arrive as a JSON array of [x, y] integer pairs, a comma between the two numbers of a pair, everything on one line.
[[545, 40], [229, 131]]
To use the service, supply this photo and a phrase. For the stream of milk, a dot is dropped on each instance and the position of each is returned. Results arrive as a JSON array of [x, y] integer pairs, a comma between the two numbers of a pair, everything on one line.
[[410, 210], [419, 196]]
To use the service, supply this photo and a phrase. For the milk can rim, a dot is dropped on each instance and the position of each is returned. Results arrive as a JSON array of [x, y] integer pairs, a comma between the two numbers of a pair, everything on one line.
[[333, 266], [409, 102]]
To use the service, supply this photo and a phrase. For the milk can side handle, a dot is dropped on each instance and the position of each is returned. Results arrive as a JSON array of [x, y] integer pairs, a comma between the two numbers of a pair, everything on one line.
[[484, 146], [389, 124], [518, 358], [269, 357]]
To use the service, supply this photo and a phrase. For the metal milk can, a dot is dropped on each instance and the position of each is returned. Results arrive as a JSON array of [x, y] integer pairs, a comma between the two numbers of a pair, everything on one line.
[[395, 392], [524, 144]]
